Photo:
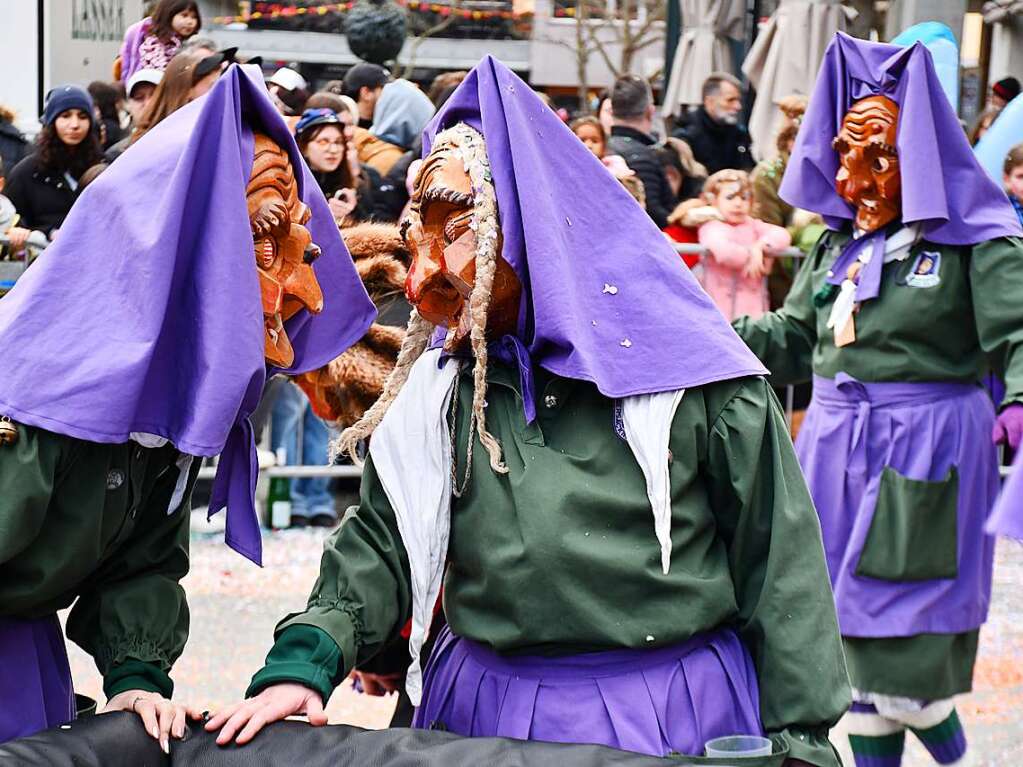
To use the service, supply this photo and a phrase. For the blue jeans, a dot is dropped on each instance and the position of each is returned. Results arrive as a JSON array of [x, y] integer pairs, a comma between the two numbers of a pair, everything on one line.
[[292, 416]]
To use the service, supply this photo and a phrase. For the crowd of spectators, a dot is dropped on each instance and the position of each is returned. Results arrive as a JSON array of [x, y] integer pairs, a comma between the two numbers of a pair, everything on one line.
[[361, 138]]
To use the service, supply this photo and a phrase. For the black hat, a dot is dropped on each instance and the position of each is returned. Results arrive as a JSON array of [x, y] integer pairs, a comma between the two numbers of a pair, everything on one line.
[[214, 61], [364, 76], [1007, 88]]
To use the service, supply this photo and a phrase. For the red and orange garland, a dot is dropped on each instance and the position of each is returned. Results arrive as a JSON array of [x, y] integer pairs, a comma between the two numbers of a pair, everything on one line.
[[283, 10]]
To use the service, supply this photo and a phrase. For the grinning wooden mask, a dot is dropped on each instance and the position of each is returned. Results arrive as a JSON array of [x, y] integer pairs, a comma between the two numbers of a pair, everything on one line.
[[283, 246], [868, 175], [442, 247]]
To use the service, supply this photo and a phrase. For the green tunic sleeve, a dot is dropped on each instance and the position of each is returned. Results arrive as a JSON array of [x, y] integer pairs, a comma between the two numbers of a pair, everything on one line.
[[786, 613], [131, 615], [361, 599], [784, 339], [996, 283], [303, 654]]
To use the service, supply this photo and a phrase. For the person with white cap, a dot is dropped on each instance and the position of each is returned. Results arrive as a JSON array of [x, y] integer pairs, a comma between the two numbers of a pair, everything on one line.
[[140, 89], [288, 90]]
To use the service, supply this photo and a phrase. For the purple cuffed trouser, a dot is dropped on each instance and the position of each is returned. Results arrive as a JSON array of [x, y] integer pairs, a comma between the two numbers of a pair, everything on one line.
[[35, 679], [903, 442], [657, 701]]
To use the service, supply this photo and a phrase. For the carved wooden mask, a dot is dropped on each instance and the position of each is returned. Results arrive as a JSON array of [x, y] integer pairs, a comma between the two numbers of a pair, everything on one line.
[[283, 246], [868, 174], [443, 251]]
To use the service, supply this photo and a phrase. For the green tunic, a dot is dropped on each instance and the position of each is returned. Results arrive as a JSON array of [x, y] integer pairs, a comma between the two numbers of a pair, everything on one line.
[[951, 331], [559, 556], [89, 521], [948, 332]]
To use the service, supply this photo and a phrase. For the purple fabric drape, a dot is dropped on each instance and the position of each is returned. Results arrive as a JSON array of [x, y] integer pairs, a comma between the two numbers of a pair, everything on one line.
[[145, 314]]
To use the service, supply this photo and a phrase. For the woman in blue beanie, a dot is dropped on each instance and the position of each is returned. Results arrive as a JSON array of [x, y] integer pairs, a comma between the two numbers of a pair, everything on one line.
[[44, 185]]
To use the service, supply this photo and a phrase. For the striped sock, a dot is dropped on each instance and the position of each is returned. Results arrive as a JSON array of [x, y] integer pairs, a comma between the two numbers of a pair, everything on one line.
[[946, 741], [879, 750]]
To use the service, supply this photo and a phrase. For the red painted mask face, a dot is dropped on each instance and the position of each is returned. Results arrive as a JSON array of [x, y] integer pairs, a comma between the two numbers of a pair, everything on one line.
[[868, 176], [443, 250], [283, 247]]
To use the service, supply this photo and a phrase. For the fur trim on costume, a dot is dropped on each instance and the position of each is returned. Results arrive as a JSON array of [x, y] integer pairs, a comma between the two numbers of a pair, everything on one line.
[[372, 239], [342, 390], [693, 213]]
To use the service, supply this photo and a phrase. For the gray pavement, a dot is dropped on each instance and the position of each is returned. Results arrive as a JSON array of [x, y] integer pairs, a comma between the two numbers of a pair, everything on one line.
[[235, 606]]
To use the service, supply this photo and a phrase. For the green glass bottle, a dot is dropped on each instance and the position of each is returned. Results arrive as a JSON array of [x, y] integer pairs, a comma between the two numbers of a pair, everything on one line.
[[279, 499]]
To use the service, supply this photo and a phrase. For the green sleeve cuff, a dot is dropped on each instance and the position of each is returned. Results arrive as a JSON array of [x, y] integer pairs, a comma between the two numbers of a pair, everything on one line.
[[810, 745], [338, 620], [301, 654], [137, 675]]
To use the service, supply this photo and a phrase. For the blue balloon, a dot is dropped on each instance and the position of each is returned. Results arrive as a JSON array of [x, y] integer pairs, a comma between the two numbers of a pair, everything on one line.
[[1005, 132], [941, 42]]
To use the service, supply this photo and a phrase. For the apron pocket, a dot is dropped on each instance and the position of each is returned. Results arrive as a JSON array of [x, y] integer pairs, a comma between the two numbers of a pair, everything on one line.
[[913, 535]]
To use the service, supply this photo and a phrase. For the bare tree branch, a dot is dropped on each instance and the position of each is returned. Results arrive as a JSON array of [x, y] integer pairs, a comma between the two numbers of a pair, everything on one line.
[[598, 46], [436, 29]]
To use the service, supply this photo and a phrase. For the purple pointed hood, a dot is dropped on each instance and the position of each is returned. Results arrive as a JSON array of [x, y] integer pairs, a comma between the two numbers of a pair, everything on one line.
[[605, 297], [943, 186], [145, 313]]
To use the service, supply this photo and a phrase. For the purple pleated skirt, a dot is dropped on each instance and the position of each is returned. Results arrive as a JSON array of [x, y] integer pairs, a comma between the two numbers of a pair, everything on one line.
[[657, 701], [914, 444], [35, 679]]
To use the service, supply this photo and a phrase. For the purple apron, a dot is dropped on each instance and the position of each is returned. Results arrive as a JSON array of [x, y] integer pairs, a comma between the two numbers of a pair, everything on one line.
[[870, 453], [657, 701], [35, 680]]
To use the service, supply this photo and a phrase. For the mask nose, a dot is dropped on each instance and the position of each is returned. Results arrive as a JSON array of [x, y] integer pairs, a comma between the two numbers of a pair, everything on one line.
[[421, 272], [312, 252]]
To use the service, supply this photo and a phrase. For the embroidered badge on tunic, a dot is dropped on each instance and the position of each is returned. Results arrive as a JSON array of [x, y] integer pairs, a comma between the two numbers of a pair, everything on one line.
[[926, 270]]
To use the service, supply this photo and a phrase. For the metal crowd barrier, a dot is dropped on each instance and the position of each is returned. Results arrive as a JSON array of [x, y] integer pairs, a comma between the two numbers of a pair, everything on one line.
[[695, 249], [295, 472], [11, 270]]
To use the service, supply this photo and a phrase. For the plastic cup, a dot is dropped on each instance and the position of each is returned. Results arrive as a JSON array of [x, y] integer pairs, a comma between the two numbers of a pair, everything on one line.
[[739, 747]]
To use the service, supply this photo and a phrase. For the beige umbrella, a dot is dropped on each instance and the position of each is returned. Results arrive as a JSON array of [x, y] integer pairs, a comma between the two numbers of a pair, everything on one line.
[[703, 48], [785, 58]]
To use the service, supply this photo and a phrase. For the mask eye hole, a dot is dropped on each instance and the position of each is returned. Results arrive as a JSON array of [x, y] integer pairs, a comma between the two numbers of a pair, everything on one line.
[[880, 164]]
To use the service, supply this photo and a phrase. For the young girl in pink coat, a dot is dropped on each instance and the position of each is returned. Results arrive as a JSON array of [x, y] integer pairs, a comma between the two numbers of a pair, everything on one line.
[[740, 247]]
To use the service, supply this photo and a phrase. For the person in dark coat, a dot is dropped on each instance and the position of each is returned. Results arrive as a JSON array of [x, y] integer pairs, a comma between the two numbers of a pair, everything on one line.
[[108, 99], [713, 131], [44, 185], [632, 104], [13, 144]]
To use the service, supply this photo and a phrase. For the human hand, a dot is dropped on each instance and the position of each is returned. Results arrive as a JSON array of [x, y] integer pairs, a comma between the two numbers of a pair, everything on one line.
[[377, 685], [342, 204], [754, 267], [352, 158], [17, 236], [271, 705], [161, 717], [1009, 426]]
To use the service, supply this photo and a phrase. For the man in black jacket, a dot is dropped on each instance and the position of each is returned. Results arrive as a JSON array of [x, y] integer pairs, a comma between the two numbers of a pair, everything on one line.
[[632, 105], [713, 131]]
